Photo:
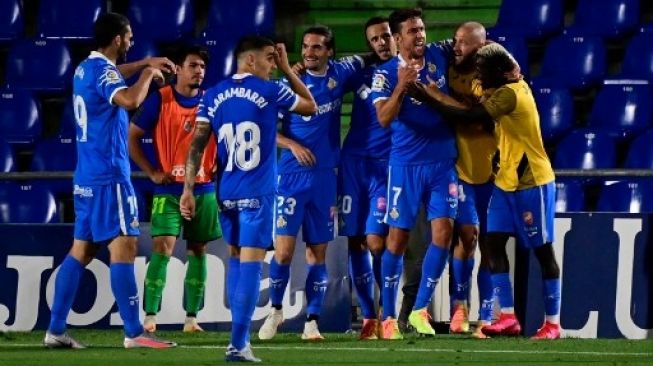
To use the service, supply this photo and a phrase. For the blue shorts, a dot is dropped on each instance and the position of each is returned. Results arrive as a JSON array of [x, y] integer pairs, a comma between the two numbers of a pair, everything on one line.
[[104, 212], [473, 200], [434, 185], [307, 199], [247, 222], [527, 213], [362, 188]]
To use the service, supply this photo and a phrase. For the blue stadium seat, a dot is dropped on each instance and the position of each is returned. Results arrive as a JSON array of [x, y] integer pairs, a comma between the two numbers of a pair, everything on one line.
[[245, 16], [55, 154], [573, 62], [6, 157], [586, 149], [221, 46], [162, 21], [140, 50], [605, 18], [534, 19], [570, 196], [68, 124], [517, 46], [42, 65], [556, 108], [638, 61], [22, 203], [144, 185], [626, 196], [20, 120], [11, 20], [622, 108], [69, 19], [640, 153]]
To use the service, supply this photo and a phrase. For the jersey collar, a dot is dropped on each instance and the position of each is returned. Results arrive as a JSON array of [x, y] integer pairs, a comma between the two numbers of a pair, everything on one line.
[[96, 54], [321, 74], [403, 62], [241, 76]]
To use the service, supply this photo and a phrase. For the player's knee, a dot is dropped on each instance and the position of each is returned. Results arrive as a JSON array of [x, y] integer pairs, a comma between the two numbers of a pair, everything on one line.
[[283, 256], [497, 259], [376, 247], [197, 249], [469, 239], [546, 256], [442, 231], [356, 243]]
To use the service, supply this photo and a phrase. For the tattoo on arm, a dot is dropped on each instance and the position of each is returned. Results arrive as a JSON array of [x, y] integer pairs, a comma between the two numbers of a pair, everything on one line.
[[200, 139]]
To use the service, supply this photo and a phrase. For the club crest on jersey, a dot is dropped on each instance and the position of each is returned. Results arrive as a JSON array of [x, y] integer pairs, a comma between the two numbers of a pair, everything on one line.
[[134, 224], [431, 67], [188, 126], [381, 204], [281, 222], [453, 190], [394, 213], [378, 82], [332, 83], [109, 76], [528, 218]]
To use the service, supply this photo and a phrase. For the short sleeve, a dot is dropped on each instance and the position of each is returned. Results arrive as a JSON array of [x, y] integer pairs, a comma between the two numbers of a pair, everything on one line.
[[287, 99], [204, 113], [501, 102], [109, 82], [382, 85], [348, 66], [147, 115]]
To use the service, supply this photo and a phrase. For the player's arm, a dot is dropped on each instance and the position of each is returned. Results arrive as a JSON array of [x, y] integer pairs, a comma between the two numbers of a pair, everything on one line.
[[201, 137], [161, 63], [132, 97], [388, 109], [306, 105], [303, 155], [137, 154]]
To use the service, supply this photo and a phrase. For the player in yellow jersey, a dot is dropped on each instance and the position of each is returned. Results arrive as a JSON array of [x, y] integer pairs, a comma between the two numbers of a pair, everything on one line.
[[523, 199]]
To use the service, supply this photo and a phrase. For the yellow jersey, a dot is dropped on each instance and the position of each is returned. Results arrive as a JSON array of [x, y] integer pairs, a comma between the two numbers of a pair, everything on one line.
[[523, 162], [476, 147]]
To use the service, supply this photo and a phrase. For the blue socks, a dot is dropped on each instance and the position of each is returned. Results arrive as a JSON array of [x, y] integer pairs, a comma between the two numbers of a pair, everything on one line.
[[233, 273], [363, 278], [123, 285], [316, 284], [392, 265], [65, 289], [462, 273], [503, 290], [484, 280], [279, 276], [434, 262], [552, 297], [245, 299]]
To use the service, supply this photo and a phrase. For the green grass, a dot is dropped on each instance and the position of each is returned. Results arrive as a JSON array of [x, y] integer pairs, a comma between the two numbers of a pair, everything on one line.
[[338, 349]]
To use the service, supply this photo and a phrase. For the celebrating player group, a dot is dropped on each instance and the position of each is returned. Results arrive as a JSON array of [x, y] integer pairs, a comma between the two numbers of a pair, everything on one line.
[[448, 128]]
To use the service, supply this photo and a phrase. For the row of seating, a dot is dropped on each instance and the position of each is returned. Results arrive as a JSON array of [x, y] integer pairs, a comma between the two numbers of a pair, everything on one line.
[[153, 20], [631, 196]]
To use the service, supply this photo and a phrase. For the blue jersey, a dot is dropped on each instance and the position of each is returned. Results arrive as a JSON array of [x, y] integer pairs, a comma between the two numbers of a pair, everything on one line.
[[243, 114], [320, 132], [366, 137], [419, 133], [102, 155]]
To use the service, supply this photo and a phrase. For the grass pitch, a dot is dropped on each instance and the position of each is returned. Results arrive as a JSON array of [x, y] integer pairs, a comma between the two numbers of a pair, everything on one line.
[[105, 348]]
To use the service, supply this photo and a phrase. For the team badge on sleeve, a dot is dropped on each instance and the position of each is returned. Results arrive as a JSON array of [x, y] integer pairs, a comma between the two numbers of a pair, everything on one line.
[[110, 76], [378, 82]]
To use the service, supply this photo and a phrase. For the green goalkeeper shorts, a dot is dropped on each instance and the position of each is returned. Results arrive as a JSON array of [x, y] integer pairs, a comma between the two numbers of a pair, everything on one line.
[[167, 219]]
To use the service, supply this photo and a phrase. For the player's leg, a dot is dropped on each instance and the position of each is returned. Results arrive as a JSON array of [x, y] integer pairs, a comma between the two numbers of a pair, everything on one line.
[[482, 193], [198, 232], [315, 288], [413, 259], [441, 209], [375, 229], [538, 206]]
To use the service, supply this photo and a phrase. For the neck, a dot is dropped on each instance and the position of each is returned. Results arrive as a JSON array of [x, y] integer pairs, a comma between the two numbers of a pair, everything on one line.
[[109, 53], [407, 57], [186, 90], [464, 67]]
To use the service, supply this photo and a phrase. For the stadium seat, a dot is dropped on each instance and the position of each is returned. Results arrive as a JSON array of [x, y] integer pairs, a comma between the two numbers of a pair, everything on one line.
[[570, 196], [221, 47], [144, 185], [162, 21], [42, 65], [6, 157], [573, 62], [20, 121], [605, 18], [67, 124], [585, 149], [622, 107], [140, 50], [626, 196], [556, 108], [535, 19], [638, 61], [640, 153], [21, 204], [56, 154], [57, 19], [517, 46], [11, 20], [245, 16]]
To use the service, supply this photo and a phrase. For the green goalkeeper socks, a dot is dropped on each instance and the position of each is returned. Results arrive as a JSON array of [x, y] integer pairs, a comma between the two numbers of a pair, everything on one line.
[[195, 280], [155, 281]]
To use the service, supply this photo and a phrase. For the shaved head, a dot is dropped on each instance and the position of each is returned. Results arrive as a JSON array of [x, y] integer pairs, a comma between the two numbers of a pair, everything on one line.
[[469, 38]]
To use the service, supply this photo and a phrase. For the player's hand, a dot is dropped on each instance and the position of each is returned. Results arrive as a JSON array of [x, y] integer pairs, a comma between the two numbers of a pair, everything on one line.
[[162, 63], [303, 155], [187, 205], [418, 90], [298, 69], [159, 177], [157, 75], [406, 75], [281, 58]]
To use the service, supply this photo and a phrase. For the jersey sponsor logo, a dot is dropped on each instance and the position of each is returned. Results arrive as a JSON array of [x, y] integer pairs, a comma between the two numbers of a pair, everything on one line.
[[378, 82], [324, 108], [381, 204], [82, 191], [528, 218], [241, 203], [178, 171], [453, 190]]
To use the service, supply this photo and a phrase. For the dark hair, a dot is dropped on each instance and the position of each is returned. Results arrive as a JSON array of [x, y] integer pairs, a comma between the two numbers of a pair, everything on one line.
[[107, 27], [252, 43], [375, 20], [184, 51], [322, 30], [401, 15]]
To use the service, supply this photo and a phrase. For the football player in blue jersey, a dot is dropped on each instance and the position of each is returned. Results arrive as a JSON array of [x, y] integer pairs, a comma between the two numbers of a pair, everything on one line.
[[362, 179], [242, 113], [105, 203], [421, 167], [306, 187]]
